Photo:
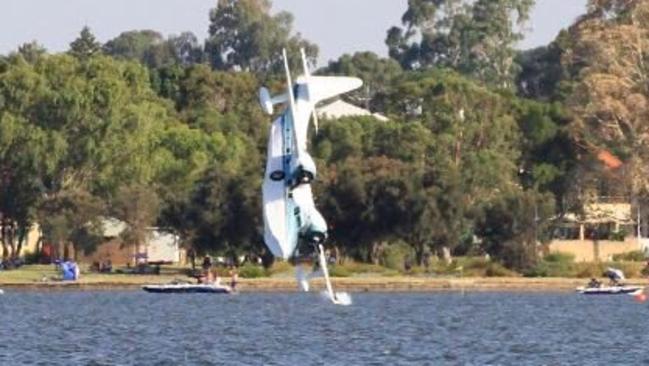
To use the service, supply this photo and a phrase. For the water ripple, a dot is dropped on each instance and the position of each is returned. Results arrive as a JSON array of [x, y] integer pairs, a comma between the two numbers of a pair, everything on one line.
[[132, 328]]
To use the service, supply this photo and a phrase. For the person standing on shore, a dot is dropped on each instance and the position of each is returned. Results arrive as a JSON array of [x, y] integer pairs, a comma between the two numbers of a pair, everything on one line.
[[207, 269], [234, 278]]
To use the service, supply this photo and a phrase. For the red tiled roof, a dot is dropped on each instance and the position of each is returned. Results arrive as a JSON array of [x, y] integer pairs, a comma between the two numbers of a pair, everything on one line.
[[611, 161]]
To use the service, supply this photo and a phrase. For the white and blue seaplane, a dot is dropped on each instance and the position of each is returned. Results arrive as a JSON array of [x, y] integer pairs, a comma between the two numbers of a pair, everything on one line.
[[292, 224]]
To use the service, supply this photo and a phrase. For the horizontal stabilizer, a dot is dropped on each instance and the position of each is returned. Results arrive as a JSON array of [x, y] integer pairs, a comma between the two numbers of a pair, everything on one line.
[[267, 102], [326, 87]]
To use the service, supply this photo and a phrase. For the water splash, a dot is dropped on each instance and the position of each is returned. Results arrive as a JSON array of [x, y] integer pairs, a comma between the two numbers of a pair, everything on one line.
[[302, 279], [341, 298]]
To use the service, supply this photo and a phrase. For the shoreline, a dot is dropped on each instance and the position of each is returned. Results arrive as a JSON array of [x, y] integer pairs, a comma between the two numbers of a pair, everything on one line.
[[366, 284]]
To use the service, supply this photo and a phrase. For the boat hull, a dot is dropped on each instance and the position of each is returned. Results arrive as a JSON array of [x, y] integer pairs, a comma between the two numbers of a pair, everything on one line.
[[610, 290], [187, 289]]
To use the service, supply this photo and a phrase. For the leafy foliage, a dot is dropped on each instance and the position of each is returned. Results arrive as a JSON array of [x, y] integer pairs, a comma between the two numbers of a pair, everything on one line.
[[244, 36], [378, 75], [476, 38], [85, 46], [168, 132], [151, 49], [607, 55]]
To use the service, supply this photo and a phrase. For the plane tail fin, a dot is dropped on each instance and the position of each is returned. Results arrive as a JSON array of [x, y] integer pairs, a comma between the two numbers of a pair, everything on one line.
[[319, 87]]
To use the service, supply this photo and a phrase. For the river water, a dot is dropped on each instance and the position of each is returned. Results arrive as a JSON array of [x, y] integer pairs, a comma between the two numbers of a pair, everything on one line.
[[136, 328]]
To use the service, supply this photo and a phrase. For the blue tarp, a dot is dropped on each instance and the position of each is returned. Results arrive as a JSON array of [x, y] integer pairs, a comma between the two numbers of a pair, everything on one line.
[[70, 271]]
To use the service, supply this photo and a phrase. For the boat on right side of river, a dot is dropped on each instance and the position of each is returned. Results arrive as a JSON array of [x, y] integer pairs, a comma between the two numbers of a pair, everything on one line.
[[611, 290]]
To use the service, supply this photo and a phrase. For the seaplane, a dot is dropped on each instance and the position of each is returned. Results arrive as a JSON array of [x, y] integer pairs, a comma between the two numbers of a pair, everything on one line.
[[293, 226]]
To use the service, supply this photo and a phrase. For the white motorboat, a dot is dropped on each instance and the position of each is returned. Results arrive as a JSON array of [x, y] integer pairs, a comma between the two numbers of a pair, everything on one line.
[[188, 289], [616, 287], [610, 290]]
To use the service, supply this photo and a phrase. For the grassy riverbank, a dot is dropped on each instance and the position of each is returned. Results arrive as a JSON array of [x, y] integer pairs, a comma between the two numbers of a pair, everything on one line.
[[280, 278]]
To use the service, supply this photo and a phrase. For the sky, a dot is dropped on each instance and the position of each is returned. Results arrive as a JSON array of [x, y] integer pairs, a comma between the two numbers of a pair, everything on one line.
[[337, 26]]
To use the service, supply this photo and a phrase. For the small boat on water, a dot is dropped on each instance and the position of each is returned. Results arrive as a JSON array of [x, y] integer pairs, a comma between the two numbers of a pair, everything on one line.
[[596, 287], [177, 288], [610, 290]]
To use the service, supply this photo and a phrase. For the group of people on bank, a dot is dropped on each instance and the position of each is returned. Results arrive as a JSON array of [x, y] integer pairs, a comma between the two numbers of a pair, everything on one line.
[[210, 276], [614, 275]]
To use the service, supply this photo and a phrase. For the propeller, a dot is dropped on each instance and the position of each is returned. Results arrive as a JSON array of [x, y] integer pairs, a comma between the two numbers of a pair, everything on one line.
[[307, 76]]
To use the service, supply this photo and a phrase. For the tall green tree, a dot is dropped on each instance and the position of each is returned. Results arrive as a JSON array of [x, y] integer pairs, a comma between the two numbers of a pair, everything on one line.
[[513, 227], [31, 51], [85, 45], [245, 36], [377, 74], [138, 206], [186, 48], [548, 154], [365, 203], [475, 129], [476, 38], [153, 50], [134, 45], [74, 131], [609, 98], [72, 219]]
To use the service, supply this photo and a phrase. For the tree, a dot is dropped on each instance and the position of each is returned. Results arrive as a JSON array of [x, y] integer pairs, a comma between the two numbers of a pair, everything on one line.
[[607, 60], [245, 36], [138, 206], [72, 132], [153, 50], [436, 218], [31, 51], [26, 153], [476, 38], [85, 46], [377, 187], [363, 202], [187, 50], [541, 72], [479, 141], [514, 227], [475, 129], [548, 154], [134, 45], [72, 217], [377, 74], [219, 154], [217, 101], [223, 213]]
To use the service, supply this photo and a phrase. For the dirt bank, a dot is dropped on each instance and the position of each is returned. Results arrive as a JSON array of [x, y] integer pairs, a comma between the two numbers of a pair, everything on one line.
[[355, 284]]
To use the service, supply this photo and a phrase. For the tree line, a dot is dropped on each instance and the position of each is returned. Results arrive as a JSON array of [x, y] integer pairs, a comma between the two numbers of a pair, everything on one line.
[[484, 146]]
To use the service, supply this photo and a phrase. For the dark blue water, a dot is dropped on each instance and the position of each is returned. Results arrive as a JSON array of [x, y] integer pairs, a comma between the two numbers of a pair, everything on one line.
[[133, 328]]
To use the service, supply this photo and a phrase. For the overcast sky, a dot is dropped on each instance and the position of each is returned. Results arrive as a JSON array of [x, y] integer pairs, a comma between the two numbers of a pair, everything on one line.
[[337, 26]]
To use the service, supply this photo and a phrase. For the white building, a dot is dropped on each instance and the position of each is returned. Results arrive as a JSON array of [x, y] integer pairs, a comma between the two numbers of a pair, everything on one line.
[[160, 246]]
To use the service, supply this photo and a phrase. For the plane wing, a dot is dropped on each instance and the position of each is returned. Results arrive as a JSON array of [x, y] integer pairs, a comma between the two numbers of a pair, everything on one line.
[[325, 87]]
